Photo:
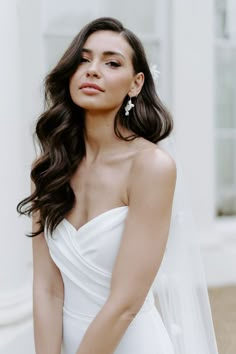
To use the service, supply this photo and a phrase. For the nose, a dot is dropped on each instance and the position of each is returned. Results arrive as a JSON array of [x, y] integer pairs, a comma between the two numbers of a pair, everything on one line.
[[93, 71]]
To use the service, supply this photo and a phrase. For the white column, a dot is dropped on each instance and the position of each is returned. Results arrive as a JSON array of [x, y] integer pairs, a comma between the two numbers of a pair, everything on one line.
[[19, 106], [14, 250], [13, 243], [192, 68], [230, 20]]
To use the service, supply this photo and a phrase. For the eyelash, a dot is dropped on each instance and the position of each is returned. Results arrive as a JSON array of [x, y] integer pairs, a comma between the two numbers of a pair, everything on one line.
[[111, 63], [83, 60]]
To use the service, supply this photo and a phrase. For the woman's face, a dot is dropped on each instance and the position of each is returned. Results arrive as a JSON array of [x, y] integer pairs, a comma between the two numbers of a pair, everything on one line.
[[106, 75]]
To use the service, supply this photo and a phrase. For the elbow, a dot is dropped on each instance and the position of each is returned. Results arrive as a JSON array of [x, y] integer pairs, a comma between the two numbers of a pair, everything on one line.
[[50, 291], [130, 313], [126, 308]]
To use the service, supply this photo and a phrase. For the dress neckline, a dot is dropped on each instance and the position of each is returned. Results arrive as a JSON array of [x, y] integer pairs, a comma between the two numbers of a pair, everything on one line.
[[91, 221]]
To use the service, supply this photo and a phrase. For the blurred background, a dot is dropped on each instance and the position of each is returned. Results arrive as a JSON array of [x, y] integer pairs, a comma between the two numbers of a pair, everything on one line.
[[193, 44]]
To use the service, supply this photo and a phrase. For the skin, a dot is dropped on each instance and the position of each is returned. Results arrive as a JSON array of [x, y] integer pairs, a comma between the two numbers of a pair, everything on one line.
[[135, 173], [48, 295]]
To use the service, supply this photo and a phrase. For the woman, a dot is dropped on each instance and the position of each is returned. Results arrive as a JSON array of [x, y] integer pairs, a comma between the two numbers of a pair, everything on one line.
[[102, 194]]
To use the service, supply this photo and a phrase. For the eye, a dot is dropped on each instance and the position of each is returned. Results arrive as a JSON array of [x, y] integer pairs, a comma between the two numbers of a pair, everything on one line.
[[113, 64], [84, 60]]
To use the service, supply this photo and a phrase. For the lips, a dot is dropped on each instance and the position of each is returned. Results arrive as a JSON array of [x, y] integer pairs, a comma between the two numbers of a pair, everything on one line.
[[92, 86]]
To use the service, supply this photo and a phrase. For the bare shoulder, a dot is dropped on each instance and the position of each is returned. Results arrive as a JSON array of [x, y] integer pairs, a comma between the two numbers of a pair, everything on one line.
[[151, 181], [152, 160]]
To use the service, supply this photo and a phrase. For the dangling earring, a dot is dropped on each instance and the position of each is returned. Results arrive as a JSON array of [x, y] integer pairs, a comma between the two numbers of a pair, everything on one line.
[[128, 107]]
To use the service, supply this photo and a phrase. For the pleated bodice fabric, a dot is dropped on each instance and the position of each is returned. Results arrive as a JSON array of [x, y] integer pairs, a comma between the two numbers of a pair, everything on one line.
[[86, 259]]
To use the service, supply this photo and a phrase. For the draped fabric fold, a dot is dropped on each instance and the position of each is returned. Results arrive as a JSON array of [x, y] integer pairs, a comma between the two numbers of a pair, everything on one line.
[[86, 258]]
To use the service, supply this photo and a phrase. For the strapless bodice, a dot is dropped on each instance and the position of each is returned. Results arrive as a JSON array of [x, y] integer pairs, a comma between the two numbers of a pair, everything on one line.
[[86, 259]]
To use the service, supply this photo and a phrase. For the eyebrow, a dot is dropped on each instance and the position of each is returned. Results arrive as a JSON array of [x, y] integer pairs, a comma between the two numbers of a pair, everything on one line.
[[106, 53]]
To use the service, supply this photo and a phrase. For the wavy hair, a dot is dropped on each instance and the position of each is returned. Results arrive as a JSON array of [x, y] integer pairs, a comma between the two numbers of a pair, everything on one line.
[[60, 128]]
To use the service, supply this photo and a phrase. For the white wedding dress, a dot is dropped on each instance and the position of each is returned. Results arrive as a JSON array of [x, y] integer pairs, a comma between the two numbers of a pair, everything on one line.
[[86, 258]]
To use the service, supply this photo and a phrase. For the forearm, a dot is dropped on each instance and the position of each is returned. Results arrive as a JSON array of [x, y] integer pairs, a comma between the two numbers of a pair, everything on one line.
[[47, 314], [105, 332]]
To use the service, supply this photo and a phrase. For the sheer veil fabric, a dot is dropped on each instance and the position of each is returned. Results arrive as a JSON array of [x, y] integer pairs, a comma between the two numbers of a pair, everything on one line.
[[180, 285]]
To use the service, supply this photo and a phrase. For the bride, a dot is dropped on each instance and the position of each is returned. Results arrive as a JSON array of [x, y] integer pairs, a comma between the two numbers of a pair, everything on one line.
[[104, 210]]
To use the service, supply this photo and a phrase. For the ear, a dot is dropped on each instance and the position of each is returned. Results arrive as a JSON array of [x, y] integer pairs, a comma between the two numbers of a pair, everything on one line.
[[136, 85]]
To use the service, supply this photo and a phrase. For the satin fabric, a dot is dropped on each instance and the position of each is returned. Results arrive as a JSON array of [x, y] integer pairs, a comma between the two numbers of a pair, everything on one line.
[[86, 259]]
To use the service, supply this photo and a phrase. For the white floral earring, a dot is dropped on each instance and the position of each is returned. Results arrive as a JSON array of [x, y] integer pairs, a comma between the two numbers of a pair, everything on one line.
[[128, 107]]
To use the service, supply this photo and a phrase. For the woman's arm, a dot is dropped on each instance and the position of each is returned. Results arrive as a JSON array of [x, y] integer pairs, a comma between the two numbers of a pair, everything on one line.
[[47, 297], [151, 190]]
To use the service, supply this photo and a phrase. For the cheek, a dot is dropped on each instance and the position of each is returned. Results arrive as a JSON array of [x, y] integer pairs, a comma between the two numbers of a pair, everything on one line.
[[73, 84], [121, 85], [75, 78]]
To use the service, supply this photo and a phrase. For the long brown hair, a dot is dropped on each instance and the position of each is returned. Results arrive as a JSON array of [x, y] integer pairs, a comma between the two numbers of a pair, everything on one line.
[[60, 128]]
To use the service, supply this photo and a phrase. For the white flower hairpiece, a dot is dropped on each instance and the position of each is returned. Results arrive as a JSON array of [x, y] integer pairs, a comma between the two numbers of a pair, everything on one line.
[[155, 73]]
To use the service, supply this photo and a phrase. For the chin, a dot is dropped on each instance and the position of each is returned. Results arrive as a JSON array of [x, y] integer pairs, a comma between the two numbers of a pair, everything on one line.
[[88, 106], [88, 103]]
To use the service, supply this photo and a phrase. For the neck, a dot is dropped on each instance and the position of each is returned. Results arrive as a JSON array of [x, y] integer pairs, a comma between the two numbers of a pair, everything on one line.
[[100, 139]]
